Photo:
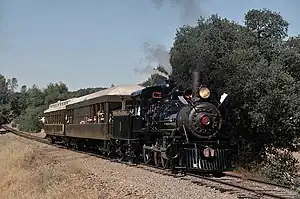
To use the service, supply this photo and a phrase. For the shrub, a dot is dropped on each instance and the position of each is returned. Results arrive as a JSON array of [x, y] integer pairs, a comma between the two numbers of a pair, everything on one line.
[[281, 167]]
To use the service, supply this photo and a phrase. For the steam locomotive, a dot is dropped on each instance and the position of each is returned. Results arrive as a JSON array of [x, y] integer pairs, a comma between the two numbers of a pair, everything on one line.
[[181, 127], [168, 125]]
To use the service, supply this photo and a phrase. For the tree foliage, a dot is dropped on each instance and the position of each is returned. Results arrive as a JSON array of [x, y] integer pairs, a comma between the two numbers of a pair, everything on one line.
[[256, 66], [26, 107], [5, 101]]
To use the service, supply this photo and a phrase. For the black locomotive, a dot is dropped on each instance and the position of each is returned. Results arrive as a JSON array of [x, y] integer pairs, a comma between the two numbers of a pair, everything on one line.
[[180, 128], [169, 125]]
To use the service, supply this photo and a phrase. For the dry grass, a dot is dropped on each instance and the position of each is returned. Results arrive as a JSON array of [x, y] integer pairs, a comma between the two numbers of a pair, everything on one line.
[[33, 170], [28, 171]]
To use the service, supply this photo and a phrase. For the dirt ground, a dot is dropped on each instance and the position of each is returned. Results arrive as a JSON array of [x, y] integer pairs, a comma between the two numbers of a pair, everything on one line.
[[31, 170]]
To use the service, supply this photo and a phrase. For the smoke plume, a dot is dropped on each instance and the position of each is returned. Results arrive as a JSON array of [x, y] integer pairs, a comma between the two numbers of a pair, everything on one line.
[[190, 11], [154, 56]]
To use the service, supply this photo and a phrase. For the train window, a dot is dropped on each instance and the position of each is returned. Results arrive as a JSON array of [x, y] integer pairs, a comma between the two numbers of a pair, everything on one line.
[[115, 106], [101, 113], [93, 113], [97, 113], [129, 102]]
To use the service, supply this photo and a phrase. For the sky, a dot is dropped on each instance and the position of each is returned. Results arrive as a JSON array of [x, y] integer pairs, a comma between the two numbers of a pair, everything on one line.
[[96, 43]]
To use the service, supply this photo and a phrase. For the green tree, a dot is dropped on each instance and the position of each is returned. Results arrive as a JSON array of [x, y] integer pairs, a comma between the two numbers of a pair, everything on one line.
[[29, 120], [19, 102], [290, 56], [35, 97], [269, 29], [55, 92], [263, 96], [12, 84], [29, 104], [5, 101]]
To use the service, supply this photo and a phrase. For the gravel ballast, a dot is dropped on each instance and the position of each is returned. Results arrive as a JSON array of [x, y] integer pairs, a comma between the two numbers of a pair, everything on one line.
[[60, 173]]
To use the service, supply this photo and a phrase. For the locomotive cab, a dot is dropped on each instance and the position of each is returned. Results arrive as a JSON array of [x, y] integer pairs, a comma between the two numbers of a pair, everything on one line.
[[145, 104]]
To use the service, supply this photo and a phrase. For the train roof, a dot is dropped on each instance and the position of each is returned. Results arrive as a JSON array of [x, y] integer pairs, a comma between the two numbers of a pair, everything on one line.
[[121, 90], [60, 105]]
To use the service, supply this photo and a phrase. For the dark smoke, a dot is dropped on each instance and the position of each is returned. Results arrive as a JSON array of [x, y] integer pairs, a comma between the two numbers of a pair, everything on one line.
[[154, 56], [190, 10]]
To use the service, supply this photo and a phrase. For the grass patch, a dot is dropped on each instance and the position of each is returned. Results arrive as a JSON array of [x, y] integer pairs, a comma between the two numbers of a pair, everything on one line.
[[36, 172]]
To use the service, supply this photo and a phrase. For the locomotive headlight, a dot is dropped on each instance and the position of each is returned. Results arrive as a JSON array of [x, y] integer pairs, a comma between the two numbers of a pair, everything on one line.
[[204, 92]]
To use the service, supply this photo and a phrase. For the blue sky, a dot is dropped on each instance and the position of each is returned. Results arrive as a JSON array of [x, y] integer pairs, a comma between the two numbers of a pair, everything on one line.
[[90, 43]]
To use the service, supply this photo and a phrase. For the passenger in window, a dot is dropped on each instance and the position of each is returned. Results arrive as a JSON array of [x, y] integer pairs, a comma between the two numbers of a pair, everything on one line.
[[110, 118], [89, 120], [100, 117]]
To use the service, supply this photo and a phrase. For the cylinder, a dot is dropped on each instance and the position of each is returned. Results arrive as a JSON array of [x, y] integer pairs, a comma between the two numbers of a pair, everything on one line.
[[195, 84]]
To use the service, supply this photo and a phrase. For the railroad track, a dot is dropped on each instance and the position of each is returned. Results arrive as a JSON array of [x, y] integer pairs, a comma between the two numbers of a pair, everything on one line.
[[233, 183]]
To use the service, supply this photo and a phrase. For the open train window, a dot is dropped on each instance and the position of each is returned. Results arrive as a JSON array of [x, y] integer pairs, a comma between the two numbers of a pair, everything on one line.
[[115, 106]]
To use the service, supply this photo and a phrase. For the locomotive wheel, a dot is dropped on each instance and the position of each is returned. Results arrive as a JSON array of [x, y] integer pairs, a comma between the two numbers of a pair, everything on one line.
[[164, 162], [80, 145], [67, 142], [157, 158], [147, 156], [52, 140]]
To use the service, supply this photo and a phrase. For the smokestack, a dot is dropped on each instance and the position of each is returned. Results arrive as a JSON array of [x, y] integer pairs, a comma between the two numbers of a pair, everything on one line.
[[195, 85]]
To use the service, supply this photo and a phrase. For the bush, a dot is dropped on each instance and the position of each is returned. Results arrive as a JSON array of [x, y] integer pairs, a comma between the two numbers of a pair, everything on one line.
[[281, 167]]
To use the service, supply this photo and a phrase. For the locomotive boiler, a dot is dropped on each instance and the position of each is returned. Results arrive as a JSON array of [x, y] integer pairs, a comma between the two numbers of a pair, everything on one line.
[[181, 127]]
